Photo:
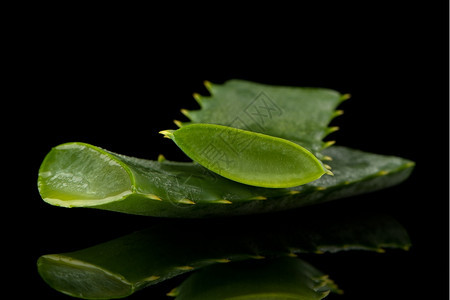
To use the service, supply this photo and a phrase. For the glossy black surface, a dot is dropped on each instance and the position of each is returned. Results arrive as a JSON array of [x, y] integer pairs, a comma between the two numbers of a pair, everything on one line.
[[118, 88]]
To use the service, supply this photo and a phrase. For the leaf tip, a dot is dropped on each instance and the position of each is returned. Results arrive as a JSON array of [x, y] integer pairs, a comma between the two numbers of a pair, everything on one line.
[[208, 85], [184, 268], [338, 113], [222, 260], [258, 198], [328, 144], [339, 291], [345, 97], [197, 98], [161, 158], [153, 278], [153, 196], [173, 293], [167, 133], [332, 129], [410, 164], [258, 257], [185, 112], [223, 201], [186, 201], [178, 123]]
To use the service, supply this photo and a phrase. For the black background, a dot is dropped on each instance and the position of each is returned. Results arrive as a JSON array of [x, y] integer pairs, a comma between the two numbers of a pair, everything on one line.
[[115, 77]]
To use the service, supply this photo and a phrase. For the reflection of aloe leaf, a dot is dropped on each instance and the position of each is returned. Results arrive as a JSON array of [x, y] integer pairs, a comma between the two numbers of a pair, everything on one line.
[[279, 279], [119, 267], [82, 175]]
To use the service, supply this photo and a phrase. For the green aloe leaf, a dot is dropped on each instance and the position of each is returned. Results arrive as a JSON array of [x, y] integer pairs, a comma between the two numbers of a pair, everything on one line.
[[279, 279], [122, 266], [82, 175], [248, 157], [298, 114], [294, 114]]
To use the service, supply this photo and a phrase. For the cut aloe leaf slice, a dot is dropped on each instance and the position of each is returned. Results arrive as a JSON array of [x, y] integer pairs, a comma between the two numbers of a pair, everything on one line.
[[82, 175], [248, 157]]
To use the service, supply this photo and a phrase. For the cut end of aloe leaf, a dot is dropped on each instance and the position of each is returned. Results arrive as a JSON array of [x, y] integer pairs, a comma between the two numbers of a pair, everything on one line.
[[81, 279], [78, 174]]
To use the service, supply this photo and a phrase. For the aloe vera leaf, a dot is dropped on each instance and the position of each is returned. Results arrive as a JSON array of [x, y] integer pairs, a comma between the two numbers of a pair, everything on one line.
[[124, 265], [248, 157], [298, 114], [279, 279], [82, 175]]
